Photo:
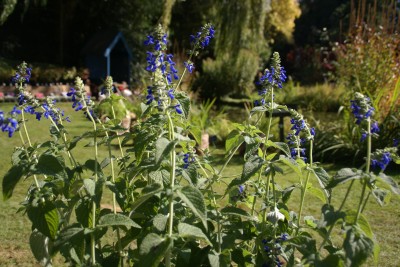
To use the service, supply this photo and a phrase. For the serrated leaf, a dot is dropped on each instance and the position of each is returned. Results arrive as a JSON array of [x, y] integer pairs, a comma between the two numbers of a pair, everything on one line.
[[156, 250], [287, 192], [281, 146], [389, 181], [257, 110], [163, 148], [117, 220], [193, 198], [189, 231], [69, 233], [330, 216], [317, 193], [41, 247], [190, 174], [147, 193], [323, 179], [234, 211], [45, 219], [291, 163], [90, 186], [233, 140], [362, 222], [11, 179], [343, 176], [251, 167], [357, 247], [91, 164], [382, 196], [105, 162], [160, 222], [50, 165]]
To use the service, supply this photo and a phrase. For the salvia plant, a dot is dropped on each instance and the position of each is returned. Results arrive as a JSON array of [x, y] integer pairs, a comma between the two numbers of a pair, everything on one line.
[[171, 207]]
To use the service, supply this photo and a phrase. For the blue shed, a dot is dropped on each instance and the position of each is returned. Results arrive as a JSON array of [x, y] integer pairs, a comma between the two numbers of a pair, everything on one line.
[[108, 54]]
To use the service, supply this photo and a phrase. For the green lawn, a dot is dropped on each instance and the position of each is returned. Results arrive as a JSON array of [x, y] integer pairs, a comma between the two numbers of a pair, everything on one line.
[[15, 230]]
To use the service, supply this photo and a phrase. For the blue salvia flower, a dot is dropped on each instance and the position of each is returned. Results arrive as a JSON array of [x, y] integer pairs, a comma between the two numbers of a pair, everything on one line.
[[23, 74], [178, 109], [187, 160], [9, 124], [381, 162], [272, 77], [396, 142], [189, 66], [361, 107], [241, 189], [202, 38]]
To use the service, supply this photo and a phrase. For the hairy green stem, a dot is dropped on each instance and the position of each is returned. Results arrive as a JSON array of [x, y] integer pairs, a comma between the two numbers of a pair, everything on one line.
[[113, 194], [367, 169], [304, 188], [264, 150], [27, 155], [92, 237], [172, 184], [229, 159]]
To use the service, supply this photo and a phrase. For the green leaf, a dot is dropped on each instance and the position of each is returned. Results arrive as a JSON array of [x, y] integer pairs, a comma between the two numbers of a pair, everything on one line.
[[234, 211], [287, 192], [70, 233], [50, 165], [357, 247], [317, 193], [323, 179], [281, 146], [362, 222], [90, 186], [184, 101], [41, 247], [117, 220], [45, 219], [389, 181], [190, 174], [342, 176], [160, 222], [163, 148], [156, 248], [147, 193], [11, 179], [330, 216], [257, 110], [251, 149], [149, 242], [251, 167], [382, 196], [195, 201], [291, 163], [189, 231], [233, 140]]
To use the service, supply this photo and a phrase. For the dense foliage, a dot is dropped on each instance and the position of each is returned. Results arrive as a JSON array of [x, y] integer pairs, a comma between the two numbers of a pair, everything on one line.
[[166, 209]]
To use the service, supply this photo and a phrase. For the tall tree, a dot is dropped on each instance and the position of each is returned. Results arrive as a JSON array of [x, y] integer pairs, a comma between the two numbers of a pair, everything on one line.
[[243, 37]]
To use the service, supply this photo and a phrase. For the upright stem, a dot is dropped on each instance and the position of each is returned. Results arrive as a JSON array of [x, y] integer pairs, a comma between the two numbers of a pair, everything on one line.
[[265, 151], [113, 194], [367, 169], [304, 188], [27, 155], [172, 184], [92, 237]]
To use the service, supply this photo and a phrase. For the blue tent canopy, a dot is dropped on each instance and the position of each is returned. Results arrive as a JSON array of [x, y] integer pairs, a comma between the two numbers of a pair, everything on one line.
[[108, 54]]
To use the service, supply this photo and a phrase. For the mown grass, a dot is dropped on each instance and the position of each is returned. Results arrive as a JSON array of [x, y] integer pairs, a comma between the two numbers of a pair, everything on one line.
[[15, 230]]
